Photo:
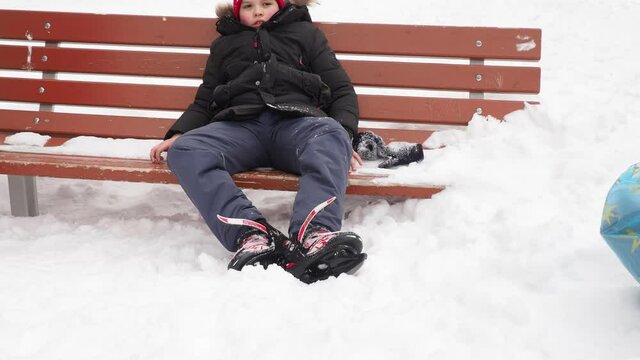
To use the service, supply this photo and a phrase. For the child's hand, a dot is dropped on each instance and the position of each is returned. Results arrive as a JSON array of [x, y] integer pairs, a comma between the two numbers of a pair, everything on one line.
[[356, 161], [156, 152]]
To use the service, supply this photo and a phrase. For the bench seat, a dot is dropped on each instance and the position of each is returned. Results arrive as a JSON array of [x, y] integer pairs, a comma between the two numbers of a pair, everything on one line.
[[101, 168]]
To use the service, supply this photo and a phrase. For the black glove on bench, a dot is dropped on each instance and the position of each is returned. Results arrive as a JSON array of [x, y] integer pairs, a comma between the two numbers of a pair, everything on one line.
[[371, 147]]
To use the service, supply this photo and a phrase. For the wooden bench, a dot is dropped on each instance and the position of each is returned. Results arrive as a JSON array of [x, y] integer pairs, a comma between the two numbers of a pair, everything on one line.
[[41, 51]]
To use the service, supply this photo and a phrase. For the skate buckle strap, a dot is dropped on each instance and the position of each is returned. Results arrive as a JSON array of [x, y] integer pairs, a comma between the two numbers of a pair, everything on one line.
[[317, 240], [255, 243], [243, 222], [311, 215]]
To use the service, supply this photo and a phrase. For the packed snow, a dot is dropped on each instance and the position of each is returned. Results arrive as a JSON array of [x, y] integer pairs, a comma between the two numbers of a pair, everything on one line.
[[26, 139], [81, 145], [506, 263]]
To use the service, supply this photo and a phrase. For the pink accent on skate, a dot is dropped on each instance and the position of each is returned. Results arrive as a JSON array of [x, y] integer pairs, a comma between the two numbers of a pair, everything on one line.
[[245, 222], [311, 215], [317, 240], [256, 243]]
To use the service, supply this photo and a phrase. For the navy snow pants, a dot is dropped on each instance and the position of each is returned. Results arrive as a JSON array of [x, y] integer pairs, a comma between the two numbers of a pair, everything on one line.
[[317, 149]]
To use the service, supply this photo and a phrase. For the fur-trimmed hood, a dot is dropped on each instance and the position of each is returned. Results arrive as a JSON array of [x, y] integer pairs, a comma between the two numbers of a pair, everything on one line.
[[226, 9]]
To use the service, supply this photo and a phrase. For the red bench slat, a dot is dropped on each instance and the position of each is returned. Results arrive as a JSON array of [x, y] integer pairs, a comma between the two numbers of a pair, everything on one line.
[[418, 40], [70, 125], [13, 57], [97, 94], [436, 41], [363, 73], [444, 111], [372, 107], [117, 62], [506, 79], [111, 29], [94, 168], [52, 123]]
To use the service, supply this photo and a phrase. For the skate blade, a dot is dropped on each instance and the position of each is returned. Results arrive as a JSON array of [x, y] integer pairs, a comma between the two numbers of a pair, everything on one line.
[[357, 266], [343, 260], [264, 260]]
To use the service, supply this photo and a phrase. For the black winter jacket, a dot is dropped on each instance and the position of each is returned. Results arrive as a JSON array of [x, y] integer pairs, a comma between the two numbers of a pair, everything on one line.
[[285, 65]]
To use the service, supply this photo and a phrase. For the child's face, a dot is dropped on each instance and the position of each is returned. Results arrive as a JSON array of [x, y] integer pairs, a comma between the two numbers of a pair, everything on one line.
[[256, 12]]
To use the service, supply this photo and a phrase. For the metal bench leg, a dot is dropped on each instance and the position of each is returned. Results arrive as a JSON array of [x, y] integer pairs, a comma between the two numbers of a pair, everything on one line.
[[23, 195]]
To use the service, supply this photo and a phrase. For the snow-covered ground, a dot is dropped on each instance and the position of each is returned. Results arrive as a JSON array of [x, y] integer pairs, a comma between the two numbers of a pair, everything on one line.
[[507, 263]]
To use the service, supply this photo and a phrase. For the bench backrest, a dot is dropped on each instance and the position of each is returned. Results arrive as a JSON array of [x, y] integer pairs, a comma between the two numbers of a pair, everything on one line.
[[49, 48]]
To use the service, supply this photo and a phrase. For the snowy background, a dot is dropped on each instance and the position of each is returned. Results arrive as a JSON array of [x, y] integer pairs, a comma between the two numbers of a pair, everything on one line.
[[507, 263]]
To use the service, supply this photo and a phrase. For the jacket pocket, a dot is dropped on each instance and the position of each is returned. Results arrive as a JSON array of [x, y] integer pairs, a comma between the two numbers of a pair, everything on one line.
[[230, 94], [314, 86], [220, 96], [293, 81]]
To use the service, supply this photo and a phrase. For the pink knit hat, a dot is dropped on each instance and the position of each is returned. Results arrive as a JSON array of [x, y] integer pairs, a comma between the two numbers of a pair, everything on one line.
[[237, 3]]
